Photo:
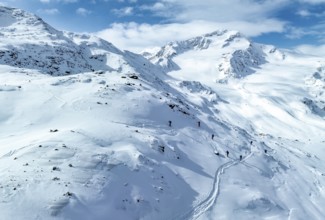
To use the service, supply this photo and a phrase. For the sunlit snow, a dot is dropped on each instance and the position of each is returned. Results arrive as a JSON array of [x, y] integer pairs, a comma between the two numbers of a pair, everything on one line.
[[88, 131]]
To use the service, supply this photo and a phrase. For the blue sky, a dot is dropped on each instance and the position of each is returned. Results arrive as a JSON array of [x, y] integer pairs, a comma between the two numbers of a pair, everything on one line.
[[136, 24]]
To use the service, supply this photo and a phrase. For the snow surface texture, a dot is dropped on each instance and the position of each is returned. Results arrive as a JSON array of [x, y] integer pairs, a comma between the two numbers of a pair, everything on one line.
[[139, 140]]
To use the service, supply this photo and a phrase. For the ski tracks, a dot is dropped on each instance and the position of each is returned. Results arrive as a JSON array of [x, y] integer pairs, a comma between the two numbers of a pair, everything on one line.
[[208, 202]]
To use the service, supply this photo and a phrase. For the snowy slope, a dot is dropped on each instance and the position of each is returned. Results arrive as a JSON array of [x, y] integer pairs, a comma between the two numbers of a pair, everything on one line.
[[99, 145], [280, 103], [117, 157]]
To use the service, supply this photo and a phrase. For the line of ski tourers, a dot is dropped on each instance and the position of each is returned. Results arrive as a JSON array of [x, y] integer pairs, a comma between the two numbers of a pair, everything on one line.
[[212, 137]]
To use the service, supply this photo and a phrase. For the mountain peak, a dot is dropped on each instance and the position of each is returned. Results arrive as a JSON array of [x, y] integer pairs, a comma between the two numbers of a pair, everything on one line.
[[17, 20], [26, 41], [234, 54], [21, 27]]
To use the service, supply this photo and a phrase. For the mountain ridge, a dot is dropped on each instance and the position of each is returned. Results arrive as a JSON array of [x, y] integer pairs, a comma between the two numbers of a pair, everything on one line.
[[240, 56], [35, 44]]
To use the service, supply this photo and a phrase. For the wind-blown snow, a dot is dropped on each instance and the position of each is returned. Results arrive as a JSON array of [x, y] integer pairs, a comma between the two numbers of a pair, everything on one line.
[[130, 139]]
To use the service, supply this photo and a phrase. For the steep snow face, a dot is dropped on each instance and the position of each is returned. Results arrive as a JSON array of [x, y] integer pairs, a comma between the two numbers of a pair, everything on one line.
[[22, 27], [103, 55], [164, 56], [221, 54], [316, 87], [26, 41], [19, 28], [241, 62]]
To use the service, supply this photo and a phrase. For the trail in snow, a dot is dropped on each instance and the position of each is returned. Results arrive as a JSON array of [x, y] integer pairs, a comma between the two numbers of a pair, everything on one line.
[[42, 88], [207, 203]]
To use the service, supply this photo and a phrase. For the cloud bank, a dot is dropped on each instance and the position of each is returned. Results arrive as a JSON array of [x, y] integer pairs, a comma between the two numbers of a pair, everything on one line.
[[190, 18]]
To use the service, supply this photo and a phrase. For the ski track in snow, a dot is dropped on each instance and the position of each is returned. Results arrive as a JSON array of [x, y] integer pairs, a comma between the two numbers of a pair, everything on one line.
[[205, 205]]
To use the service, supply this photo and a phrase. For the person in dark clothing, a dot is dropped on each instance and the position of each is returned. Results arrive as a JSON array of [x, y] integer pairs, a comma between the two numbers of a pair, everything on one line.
[[240, 157], [227, 152], [265, 151], [212, 136], [199, 124], [170, 123]]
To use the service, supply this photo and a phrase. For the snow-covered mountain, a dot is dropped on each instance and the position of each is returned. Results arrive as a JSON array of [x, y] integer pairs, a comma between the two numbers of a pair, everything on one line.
[[26, 41], [118, 136], [230, 55]]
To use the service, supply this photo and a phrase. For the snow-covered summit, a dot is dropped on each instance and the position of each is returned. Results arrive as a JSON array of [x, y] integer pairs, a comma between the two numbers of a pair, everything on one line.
[[26, 41], [19, 27], [228, 54], [164, 56], [178, 47]]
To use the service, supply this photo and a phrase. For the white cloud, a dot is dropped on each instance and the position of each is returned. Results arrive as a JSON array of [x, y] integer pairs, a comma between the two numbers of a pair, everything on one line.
[[316, 31], [83, 12], [137, 37], [298, 33], [314, 2], [121, 1], [307, 13], [158, 6], [52, 11], [304, 13], [316, 50], [251, 17], [123, 11], [190, 18], [212, 10], [64, 1]]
